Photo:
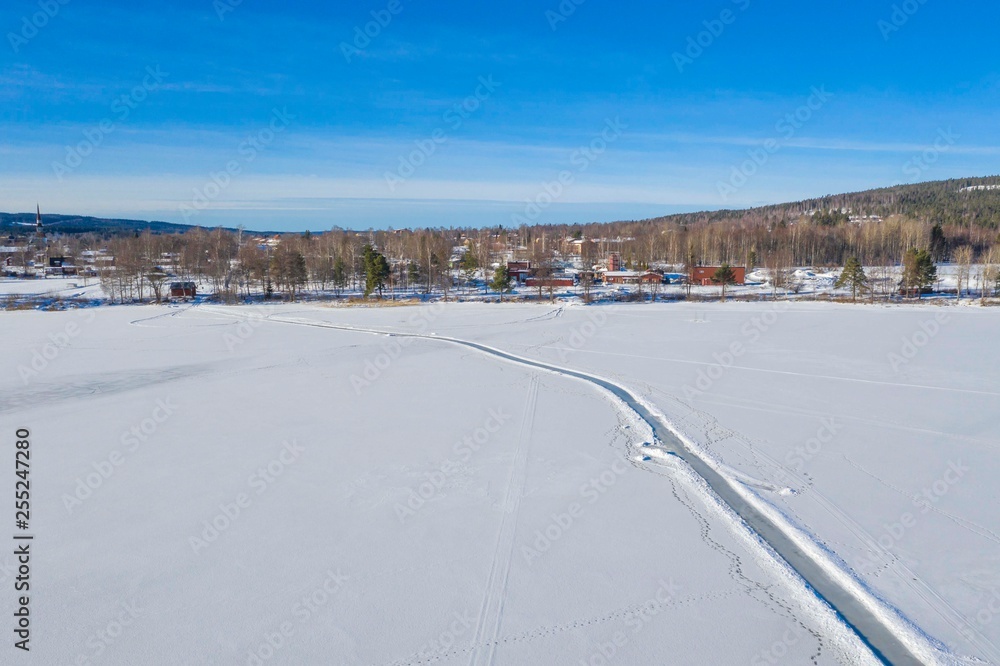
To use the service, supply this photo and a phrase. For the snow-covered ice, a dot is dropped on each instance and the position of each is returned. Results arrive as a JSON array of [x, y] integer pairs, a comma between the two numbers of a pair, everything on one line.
[[241, 485]]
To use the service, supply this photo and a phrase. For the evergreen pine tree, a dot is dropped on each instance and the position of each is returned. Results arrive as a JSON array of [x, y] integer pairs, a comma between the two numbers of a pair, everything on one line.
[[939, 244], [919, 271], [501, 280], [376, 271], [853, 276], [469, 267], [413, 274], [339, 275], [725, 276]]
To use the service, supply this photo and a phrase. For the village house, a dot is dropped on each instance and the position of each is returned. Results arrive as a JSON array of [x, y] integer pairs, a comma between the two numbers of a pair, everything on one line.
[[553, 281], [633, 277], [183, 290], [621, 277], [705, 275], [61, 266], [519, 271]]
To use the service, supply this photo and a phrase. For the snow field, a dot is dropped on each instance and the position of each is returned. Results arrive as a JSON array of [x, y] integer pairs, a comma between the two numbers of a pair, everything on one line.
[[251, 508]]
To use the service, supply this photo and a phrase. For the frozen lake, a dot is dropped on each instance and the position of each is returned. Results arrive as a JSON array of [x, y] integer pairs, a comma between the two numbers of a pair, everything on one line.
[[249, 485]]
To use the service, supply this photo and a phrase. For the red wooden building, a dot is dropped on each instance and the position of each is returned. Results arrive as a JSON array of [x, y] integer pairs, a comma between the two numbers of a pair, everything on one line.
[[519, 271], [633, 277], [183, 290], [705, 275], [555, 281]]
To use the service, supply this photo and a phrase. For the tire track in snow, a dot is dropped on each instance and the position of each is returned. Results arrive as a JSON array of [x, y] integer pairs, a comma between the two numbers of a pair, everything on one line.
[[491, 612]]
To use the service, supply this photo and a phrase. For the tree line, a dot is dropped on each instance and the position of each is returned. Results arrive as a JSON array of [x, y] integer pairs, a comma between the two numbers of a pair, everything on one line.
[[878, 229]]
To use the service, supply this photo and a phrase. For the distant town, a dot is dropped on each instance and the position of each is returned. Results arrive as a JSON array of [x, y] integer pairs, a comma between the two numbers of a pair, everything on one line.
[[494, 264]]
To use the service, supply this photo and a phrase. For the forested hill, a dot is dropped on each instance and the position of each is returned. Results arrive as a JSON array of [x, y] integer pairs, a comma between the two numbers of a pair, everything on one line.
[[20, 223], [965, 202], [946, 202]]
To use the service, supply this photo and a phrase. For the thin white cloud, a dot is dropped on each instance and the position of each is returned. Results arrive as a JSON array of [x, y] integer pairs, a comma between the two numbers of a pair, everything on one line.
[[813, 143]]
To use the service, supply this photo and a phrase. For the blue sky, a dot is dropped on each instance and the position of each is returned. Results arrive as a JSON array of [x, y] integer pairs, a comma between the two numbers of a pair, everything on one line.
[[457, 113]]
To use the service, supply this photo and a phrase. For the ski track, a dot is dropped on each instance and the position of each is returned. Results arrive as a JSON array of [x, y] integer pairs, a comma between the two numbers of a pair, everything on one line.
[[902, 573], [173, 312], [491, 612], [598, 382], [789, 373], [969, 525], [741, 402]]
